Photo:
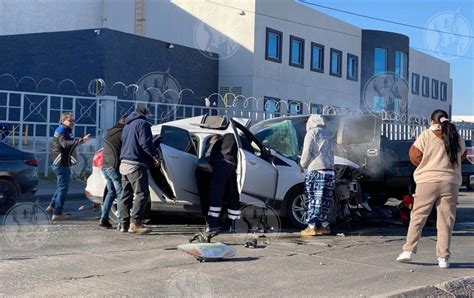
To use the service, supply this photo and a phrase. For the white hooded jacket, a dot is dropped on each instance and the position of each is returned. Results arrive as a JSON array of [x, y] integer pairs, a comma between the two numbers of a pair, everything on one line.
[[318, 147]]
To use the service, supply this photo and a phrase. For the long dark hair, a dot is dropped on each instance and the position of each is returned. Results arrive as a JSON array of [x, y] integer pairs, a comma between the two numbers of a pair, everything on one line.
[[450, 135]]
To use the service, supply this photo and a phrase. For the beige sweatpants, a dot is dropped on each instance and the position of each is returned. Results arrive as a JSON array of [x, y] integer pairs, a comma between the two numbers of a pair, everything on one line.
[[445, 196]]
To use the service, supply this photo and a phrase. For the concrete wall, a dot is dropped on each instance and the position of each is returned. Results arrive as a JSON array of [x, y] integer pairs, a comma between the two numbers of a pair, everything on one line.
[[286, 82], [31, 16], [426, 65]]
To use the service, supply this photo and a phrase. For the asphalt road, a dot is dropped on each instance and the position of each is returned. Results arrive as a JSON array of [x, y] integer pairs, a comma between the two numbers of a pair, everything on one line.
[[76, 257]]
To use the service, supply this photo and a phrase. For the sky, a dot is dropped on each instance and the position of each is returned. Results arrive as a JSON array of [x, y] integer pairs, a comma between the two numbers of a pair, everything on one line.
[[420, 13]]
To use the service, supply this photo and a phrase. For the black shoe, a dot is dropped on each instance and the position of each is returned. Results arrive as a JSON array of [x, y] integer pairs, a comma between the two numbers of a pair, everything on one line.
[[123, 227], [105, 224]]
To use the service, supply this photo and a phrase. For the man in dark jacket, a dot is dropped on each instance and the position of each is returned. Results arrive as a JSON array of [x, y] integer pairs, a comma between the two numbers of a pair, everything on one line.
[[110, 170], [63, 152], [137, 152]]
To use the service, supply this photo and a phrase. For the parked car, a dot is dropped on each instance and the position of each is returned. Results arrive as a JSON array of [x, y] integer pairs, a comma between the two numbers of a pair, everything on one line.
[[264, 176], [18, 175]]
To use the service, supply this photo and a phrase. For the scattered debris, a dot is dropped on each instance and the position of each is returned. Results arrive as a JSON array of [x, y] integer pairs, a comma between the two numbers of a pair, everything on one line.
[[341, 235]]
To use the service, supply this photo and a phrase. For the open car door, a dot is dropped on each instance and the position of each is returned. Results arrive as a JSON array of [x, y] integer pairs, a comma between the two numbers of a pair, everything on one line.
[[257, 176], [180, 159]]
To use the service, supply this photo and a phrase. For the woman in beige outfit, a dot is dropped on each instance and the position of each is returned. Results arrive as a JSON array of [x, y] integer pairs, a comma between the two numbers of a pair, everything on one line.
[[437, 153]]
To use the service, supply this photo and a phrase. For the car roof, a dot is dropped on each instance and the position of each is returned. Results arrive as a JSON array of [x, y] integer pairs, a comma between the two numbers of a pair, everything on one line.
[[189, 124]]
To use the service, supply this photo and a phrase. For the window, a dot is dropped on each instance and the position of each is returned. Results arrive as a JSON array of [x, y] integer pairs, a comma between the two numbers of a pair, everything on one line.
[[336, 63], [273, 45], [296, 51], [415, 83], [425, 87], [401, 65], [280, 136], [434, 88], [317, 57], [295, 107], [380, 60], [352, 67], [316, 108], [444, 92], [271, 107], [177, 138]]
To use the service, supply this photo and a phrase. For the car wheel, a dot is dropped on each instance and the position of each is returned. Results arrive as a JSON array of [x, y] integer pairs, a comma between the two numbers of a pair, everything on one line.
[[295, 209], [8, 195], [470, 187], [113, 214]]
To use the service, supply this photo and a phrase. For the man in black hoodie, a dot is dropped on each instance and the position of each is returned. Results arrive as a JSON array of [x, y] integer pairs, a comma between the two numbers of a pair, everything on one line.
[[110, 170], [137, 152]]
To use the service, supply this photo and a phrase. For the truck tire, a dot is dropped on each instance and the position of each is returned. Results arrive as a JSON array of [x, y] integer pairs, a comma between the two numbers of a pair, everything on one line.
[[295, 208], [8, 195]]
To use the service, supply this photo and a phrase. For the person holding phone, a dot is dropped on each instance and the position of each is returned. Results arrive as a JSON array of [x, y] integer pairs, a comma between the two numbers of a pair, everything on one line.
[[63, 156]]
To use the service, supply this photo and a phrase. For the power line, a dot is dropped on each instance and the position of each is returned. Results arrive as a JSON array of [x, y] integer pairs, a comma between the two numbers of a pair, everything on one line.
[[327, 29], [384, 20]]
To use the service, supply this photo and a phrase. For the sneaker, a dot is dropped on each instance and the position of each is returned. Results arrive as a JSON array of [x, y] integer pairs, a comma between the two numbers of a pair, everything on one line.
[[105, 224], [138, 229], [58, 217], [308, 232], [49, 209], [443, 263], [323, 230], [405, 256]]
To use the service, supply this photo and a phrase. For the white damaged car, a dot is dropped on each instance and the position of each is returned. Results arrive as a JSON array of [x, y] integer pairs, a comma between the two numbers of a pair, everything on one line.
[[264, 175]]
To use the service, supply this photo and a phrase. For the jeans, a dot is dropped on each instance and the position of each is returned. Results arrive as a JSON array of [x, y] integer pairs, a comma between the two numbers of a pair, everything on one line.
[[114, 191], [63, 176], [135, 185]]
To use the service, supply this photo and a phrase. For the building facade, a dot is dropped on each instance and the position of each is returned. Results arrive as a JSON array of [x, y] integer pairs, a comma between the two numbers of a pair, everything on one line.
[[281, 54]]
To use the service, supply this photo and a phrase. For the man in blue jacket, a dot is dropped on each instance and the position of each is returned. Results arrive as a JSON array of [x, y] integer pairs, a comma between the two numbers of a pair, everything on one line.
[[137, 152]]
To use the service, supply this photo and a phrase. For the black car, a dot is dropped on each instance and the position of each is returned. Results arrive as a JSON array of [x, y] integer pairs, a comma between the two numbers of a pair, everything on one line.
[[18, 175]]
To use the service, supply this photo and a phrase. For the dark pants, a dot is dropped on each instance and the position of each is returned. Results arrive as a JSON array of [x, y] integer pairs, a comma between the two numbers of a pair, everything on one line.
[[63, 176], [135, 196], [223, 189]]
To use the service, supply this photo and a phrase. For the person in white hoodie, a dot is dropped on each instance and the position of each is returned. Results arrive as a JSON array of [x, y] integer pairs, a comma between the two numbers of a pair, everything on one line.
[[317, 160]]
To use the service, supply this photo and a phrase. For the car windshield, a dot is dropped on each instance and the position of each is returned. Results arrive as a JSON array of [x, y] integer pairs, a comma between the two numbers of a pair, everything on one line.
[[280, 136]]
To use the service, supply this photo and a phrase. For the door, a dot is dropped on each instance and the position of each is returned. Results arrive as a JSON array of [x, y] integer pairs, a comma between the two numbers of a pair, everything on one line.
[[179, 163], [258, 176], [359, 138]]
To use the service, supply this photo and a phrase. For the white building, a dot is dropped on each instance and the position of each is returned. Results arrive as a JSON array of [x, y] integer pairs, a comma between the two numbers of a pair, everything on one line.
[[271, 50]]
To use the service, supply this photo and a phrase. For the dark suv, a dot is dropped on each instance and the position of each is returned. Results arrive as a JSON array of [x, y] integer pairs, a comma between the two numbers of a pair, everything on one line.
[[18, 175]]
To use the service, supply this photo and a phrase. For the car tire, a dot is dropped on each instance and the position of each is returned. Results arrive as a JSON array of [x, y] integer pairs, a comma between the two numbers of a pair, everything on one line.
[[8, 195], [295, 208], [469, 187]]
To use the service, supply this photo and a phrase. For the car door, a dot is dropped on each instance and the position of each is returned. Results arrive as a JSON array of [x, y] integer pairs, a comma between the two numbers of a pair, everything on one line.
[[179, 163], [258, 176]]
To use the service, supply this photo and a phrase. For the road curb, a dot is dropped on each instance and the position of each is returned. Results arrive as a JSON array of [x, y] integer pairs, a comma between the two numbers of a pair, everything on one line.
[[461, 287]]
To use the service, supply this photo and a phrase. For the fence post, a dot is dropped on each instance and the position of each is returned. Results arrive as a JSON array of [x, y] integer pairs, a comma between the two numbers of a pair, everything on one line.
[[107, 112]]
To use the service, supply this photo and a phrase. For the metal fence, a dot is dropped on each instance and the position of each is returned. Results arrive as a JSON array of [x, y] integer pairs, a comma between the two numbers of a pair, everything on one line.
[[33, 117]]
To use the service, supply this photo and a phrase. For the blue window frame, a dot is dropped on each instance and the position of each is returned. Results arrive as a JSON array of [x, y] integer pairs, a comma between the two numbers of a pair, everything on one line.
[[296, 51], [380, 60], [295, 107], [425, 86], [352, 67], [316, 108], [273, 45], [401, 64], [415, 83], [317, 57], [336, 63], [271, 105], [434, 89], [444, 92]]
